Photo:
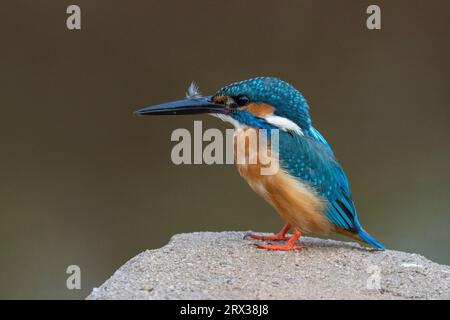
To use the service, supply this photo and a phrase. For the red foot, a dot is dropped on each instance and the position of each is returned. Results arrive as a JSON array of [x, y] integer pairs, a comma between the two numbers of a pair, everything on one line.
[[280, 236], [276, 247], [288, 246]]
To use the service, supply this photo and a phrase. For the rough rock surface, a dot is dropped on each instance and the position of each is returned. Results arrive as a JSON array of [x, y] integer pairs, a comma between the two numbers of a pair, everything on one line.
[[210, 265]]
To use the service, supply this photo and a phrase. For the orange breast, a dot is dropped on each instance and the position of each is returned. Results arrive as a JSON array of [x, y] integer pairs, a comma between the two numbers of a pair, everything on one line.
[[294, 201]]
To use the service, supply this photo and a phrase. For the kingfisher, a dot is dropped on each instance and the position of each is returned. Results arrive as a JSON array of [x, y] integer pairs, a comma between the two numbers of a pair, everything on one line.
[[310, 191]]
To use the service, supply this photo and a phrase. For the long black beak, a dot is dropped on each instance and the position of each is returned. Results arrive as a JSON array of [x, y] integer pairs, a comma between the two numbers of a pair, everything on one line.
[[186, 106]]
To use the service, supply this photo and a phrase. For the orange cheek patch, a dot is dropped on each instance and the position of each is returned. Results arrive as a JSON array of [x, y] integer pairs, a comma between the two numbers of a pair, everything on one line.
[[260, 110]]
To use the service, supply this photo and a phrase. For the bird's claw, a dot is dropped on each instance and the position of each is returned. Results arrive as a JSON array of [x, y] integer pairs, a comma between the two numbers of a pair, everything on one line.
[[247, 235]]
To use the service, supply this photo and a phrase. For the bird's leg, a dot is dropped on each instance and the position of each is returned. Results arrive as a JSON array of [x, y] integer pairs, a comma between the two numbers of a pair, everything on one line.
[[280, 236], [288, 246]]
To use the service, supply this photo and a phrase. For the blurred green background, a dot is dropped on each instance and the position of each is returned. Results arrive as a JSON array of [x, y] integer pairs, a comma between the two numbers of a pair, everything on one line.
[[85, 182]]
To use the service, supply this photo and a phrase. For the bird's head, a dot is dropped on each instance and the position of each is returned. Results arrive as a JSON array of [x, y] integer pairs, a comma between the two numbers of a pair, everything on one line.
[[263, 102]]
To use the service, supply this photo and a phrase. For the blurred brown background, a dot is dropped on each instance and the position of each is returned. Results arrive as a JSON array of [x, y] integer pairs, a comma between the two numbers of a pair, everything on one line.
[[85, 182]]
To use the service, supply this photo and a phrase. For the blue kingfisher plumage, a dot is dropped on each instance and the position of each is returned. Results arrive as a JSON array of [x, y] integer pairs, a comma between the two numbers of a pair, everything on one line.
[[311, 191]]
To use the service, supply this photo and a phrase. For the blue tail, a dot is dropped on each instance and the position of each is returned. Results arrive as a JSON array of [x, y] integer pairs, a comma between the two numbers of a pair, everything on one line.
[[368, 238]]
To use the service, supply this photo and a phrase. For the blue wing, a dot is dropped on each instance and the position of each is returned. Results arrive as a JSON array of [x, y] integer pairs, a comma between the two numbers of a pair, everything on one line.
[[311, 159], [313, 132]]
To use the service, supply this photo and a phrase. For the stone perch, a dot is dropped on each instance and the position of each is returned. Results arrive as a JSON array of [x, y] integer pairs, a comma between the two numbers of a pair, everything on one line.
[[209, 265]]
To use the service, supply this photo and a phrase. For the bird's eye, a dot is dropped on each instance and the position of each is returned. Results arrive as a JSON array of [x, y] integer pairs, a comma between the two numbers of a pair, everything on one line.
[[242, 100]]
